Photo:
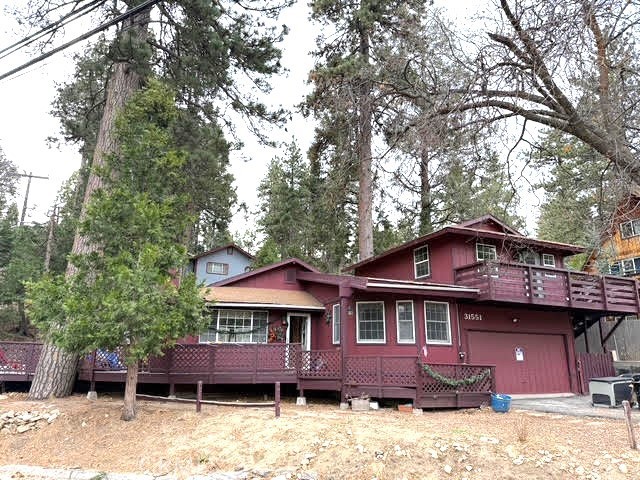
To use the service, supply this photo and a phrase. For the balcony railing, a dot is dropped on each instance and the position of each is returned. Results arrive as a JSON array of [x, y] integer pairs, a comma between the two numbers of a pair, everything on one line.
[[520, 283]]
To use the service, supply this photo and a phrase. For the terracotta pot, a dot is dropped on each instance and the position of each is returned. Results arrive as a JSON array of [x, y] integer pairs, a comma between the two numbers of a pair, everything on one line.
[[408, 408]]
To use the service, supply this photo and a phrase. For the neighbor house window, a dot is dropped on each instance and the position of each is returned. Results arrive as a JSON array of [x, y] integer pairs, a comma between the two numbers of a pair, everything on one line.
[[370, 324], [404, 322], [218, 268], [437, 324], [626, 267], [485, 252], [336, 323], [236, 326], [421, 262], [548, 260], [630, 229]]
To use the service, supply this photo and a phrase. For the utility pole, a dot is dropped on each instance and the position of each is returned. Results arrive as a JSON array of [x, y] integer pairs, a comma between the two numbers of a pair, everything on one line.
[[26, 195], [52, 224]]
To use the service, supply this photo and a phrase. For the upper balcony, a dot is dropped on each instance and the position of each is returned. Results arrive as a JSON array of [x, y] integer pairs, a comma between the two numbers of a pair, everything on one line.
[[546, 286]]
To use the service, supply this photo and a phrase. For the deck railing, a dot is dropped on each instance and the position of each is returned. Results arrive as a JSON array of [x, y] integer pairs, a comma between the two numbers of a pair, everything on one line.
[[514, 282], [18, 360]]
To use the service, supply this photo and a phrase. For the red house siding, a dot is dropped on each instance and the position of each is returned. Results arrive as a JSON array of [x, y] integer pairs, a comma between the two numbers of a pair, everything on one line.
[[276, 278]]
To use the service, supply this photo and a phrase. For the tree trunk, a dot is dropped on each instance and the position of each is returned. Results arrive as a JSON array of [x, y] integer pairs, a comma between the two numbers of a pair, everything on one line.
[[55, 373], [23, 329], [365, 192], [130, 389], [58, 372], [426, 225]]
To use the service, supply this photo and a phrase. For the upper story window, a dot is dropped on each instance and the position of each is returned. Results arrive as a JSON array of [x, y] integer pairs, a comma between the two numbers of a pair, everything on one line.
[[630, 229], [485, 252], [371, 324], [218, 268], [529, 257], [237, 326], [626, 267], [421, 262], [548, 260], [229, 250]]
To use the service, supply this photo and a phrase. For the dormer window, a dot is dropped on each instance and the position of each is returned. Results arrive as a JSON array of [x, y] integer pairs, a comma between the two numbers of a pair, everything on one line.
[[421, 262], [485, 252], [630, 229]]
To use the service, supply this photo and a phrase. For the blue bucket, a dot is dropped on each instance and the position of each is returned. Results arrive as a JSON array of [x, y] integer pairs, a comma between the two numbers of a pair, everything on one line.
[[500, 402]]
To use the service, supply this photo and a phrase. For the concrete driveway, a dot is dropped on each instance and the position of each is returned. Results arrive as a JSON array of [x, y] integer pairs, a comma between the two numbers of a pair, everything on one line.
[[576, 405]]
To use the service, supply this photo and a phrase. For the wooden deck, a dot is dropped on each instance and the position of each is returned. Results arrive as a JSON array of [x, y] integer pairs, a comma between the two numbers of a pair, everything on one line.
[[397, 377], [546, 286]]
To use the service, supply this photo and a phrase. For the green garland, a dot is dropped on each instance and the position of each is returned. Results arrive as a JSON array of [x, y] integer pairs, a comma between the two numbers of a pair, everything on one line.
[[452, 382]]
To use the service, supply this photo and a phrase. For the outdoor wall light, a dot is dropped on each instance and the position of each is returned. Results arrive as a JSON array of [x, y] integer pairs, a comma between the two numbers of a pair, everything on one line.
[[462, 355], [328, 317], [349, 310], [515, 320]]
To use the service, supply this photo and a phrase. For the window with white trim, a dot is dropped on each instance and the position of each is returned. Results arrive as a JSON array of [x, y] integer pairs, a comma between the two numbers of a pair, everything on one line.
[[626, 267], [485, 252], [218, 268], [437, 322], [371, 324], [548, 260], [422, 267], [630, 228], [236, 326], [335, 318], [404, 321]]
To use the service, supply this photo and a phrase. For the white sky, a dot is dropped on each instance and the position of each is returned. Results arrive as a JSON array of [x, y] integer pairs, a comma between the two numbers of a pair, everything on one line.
[[25, 122]]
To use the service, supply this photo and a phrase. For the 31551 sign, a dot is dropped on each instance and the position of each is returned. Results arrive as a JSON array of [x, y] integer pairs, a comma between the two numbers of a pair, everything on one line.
[[473, 316]]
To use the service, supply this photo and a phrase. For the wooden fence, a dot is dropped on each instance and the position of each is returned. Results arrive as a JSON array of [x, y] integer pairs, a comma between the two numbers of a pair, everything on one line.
[[593, 365]]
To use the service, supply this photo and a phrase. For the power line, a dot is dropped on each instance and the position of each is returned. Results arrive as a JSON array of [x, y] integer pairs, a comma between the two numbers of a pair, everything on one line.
[[61, 22], [90, 33]]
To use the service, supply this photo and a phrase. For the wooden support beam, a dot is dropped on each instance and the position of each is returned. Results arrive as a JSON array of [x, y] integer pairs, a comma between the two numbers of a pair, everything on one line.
[[612, 331], [277, 400], [585, 332], [199, 397]]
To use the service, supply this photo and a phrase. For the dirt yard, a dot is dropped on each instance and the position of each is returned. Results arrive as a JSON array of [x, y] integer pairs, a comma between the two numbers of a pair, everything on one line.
[[321, 440]]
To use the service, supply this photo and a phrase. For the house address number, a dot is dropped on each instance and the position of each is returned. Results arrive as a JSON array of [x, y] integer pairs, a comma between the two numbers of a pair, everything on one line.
[[473, 316]]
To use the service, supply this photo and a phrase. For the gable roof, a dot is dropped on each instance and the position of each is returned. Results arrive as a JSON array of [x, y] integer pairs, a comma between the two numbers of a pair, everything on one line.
[[492, 219], [470, 231], [273, 266], [224, 247]]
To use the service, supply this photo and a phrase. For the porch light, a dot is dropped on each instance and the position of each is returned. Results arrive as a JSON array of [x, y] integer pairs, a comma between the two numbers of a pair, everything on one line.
[[328, 317], [515, 320], [349, 310]]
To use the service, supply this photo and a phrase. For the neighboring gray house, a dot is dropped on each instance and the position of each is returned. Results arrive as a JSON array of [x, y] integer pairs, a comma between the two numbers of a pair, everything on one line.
[[220, 263]]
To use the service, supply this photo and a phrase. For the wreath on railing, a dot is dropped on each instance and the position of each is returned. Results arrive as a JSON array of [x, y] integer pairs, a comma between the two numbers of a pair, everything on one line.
[[453, 382]]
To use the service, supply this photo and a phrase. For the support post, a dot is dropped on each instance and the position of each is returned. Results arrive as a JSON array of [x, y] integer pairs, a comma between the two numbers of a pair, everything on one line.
[[627, 416], [345, 293], [585, 332], [172, 390], [199, 397], [277, 400]]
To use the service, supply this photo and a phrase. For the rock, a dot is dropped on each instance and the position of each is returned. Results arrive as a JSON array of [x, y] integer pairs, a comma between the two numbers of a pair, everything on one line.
[[447, 468], [360, 449], [468, 468], [489, 440], [623, 468], [519, 460], [260, 472], [579, 470], [511, 451], [304, 462], [596, 463], [379, 455], [433, 453], [3, 397], [23, 428], [308, 475]]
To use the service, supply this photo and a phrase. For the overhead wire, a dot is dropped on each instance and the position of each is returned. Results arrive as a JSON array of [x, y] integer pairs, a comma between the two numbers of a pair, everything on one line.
[[132, 11], [61, 22]]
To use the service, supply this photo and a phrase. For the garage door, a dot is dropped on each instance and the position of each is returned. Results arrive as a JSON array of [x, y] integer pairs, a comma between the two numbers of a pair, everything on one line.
[[525, 363]]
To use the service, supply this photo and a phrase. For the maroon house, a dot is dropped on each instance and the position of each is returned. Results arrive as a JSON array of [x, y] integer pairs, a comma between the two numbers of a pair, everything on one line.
[[442, 320]]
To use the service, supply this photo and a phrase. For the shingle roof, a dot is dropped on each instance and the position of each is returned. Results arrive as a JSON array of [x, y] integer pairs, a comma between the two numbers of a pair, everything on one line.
[[262, 296]]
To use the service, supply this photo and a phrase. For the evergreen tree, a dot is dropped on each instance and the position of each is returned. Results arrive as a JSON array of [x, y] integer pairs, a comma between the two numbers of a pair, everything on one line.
[[126, 297]]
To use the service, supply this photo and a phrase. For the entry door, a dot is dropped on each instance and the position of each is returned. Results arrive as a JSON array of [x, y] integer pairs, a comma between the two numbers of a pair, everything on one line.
[[299, 329]]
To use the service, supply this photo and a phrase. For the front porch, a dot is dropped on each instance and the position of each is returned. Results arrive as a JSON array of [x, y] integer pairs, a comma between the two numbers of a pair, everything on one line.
[[395, 377]]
